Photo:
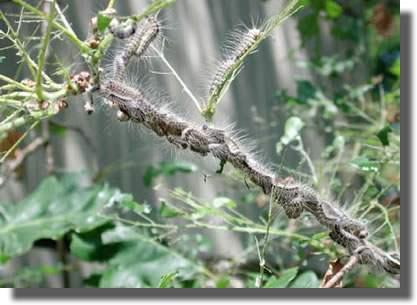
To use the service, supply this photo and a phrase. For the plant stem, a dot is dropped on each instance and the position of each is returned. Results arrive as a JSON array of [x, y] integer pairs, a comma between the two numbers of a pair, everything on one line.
[[18, 142], [42, 52], [182, 83], [17, 84], [84, 49], [155, 6], [111, 4]]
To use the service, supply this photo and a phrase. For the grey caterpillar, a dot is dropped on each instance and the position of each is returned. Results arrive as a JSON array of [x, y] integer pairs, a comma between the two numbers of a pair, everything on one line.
[[245, 42], [248, 40], [139, 41], [220, 75], [142, 38], [134, 104]]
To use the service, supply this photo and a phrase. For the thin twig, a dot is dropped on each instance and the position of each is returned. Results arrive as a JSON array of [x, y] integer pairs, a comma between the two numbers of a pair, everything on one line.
[[265, 243], [82, 46], [111, 4], [301, 150], [15, 83], [12, 165], [43, 51], [17, 142], [64, 19], [179, 79], [353, 260]]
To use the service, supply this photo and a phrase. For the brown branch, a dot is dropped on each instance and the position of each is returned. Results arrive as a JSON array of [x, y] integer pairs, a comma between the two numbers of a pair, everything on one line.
[[353, 260], [12, 165]]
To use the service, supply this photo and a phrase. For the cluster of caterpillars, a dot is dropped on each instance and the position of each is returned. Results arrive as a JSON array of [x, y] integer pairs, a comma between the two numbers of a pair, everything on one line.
[[293, 197]]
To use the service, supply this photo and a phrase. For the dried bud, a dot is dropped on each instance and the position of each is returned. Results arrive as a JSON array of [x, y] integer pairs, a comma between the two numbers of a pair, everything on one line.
[[62, 104], [43, 105], [93, 42], [81, 80]]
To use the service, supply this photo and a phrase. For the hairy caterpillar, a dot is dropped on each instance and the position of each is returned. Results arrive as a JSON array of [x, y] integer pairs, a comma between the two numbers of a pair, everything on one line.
[[367, 253], [245, 43], [142, 38], [220, 75], [205, 140], [248, 40], [139, 42], [295, 198]]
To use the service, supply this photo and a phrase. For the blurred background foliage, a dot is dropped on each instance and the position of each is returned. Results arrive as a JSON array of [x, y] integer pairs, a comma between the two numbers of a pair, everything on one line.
[[101, 205]]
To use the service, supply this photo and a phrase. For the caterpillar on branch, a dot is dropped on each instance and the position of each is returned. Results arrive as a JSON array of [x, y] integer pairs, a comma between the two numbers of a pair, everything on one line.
[[294, 198]]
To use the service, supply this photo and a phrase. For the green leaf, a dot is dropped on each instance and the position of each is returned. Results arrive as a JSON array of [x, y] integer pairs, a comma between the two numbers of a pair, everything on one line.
[[223, 282], [293, 126], [223, 201], [347, 28], [309, 26], [167, 280], [283, 97], [282, 282], [141, 262], [92, 281], [4, 259], [127, 202], [150, 174], [307, 279], [333, 9], [329, 65], [372, 281], [57, 129], [88, 246], [305, 90], [166, 211], [54, 208], [383, 135], [396, 68], [364, 164], [83, 249], [103, 22], [171, 168]]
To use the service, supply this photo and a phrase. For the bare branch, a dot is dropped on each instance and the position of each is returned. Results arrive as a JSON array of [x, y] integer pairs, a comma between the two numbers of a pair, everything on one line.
[[353, 260], [21, 155]]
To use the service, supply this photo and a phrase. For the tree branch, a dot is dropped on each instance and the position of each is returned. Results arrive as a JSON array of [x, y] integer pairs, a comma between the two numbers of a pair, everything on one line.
[[353, 260]]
